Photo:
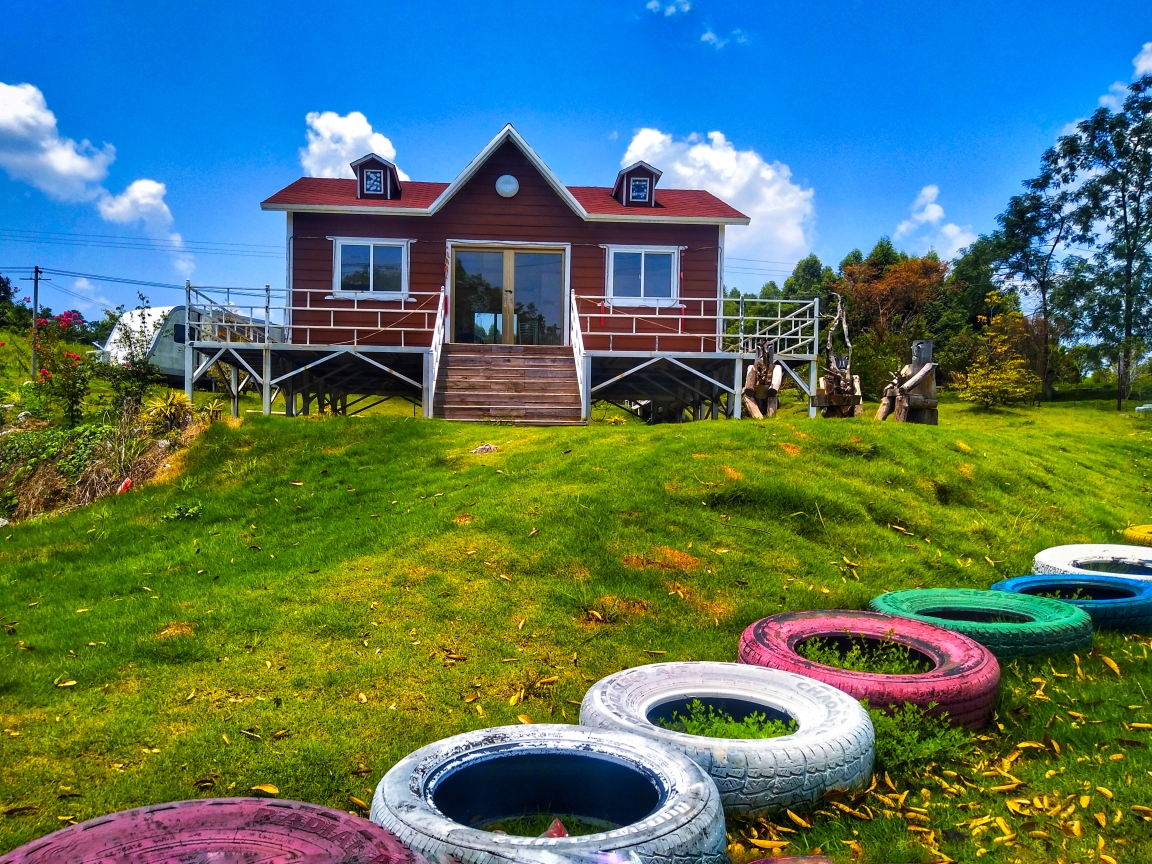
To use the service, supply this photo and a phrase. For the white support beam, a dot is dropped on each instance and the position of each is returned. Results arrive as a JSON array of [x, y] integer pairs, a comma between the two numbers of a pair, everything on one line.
[[700, 374], [623, 375], [305, 368], [404, 378]]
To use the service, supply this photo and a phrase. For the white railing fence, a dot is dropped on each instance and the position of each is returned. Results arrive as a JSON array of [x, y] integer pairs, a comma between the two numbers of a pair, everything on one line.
[[433, 371]]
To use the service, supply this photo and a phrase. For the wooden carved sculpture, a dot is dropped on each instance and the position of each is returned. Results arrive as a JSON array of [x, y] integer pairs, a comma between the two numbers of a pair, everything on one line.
[[911, 395], [839, 393], [763, 383]]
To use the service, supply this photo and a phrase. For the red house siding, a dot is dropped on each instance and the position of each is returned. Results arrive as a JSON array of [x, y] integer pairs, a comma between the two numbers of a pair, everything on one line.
[[536, 214]]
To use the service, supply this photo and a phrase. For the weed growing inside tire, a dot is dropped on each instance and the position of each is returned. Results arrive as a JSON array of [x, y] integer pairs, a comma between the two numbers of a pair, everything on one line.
[[536, 824], [883, 657], [908, 738], [707, 722]]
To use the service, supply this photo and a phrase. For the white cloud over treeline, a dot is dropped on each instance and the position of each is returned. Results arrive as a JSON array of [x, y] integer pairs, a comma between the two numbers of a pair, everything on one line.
[[924, 228], [781, 210]]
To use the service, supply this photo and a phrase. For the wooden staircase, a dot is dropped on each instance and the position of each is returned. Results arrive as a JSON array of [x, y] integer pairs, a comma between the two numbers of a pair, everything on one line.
[[533, 385]]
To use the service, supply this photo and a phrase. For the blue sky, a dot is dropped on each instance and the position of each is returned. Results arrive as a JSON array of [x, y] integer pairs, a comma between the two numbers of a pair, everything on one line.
[[837, 122]]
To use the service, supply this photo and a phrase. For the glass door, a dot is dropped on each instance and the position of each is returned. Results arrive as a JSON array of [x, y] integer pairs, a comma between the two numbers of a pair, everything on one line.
[[508, 296], [478, 297]]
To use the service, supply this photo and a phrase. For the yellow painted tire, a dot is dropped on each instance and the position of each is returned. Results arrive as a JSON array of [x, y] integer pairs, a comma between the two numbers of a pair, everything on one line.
[[1141, 534]]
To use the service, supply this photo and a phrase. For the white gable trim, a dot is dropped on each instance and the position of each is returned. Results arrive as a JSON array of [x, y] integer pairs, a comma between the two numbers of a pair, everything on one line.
[[508, 133]]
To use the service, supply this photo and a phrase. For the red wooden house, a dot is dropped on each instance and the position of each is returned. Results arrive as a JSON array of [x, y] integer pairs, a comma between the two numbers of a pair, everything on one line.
[[503, 295]]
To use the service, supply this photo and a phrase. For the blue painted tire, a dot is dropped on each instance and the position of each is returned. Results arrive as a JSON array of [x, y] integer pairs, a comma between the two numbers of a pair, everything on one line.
[[1113, 602]]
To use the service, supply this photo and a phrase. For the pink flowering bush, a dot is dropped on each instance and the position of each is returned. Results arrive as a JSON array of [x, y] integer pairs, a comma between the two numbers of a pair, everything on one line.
[[64, 376]]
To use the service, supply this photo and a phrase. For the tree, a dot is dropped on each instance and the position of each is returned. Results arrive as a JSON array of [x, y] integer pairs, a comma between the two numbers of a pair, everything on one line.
[[953, 317], [1106, 167], [999, 375], [1034, 232], [811, 279]]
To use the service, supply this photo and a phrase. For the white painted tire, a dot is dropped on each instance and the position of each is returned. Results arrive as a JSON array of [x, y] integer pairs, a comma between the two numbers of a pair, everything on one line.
[[667, 806], [1096, 559], [833, 748]]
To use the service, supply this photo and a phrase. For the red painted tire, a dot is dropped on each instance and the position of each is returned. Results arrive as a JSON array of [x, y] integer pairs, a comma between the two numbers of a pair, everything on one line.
[[219, 829], [964, 680]]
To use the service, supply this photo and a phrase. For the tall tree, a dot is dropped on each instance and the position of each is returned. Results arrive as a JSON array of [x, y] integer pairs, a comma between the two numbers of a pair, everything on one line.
[[1106, 165], [1030, 247]]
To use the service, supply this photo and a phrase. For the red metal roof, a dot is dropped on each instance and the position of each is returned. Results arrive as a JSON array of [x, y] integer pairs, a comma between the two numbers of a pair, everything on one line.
[[324, 192], [681, 203], [337, 192]]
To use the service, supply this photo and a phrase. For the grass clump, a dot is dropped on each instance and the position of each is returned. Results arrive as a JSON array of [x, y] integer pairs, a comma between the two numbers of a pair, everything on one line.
[[707, 722], [880, 656], [908, 738]]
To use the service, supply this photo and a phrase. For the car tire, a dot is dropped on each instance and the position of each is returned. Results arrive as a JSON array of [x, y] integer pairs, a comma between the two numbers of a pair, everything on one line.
[[1041, 626], [963, 682], [833, 747], [1113, 603], [226, 829], [1141, 535], [1095, 559], [666, 806]]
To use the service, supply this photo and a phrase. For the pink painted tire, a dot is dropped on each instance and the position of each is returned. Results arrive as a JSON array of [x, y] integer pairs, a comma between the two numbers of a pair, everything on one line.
[[224, 830], [964, 679]]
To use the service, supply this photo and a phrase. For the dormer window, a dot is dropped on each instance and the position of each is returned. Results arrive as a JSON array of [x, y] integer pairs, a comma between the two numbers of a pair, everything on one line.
[[636, 185], [374, 181], [376, 178]]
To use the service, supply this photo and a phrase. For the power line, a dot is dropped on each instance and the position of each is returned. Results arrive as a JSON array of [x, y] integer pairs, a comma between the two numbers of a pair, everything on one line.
[[143, 244]]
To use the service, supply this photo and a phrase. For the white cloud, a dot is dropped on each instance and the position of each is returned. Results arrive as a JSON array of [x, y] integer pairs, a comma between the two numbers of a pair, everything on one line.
[[33, 152], [335, 141], [924, 209], [1113, 100], [93, 303], [781, 210], [712, 39], [949, 239], [142, 203], [669, 9], [1143, 60]]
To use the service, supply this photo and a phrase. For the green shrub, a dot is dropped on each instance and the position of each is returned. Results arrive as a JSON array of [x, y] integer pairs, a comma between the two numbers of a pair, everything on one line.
[[706, 721], [908, 738], [883, 657]]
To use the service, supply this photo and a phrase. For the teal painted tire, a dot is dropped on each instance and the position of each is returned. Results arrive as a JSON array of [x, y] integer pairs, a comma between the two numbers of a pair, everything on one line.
[[1023, 626]]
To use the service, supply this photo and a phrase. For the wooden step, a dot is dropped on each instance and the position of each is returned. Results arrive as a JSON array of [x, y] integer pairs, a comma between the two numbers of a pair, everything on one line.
[[527, 384]]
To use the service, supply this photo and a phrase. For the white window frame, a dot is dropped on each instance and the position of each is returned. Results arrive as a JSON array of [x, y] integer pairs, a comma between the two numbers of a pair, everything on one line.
[[338, 243], [364, 180], [647, 199], [658, 302]]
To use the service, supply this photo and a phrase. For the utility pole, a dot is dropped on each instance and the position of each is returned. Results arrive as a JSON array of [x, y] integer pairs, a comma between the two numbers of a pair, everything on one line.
[[35, 280]]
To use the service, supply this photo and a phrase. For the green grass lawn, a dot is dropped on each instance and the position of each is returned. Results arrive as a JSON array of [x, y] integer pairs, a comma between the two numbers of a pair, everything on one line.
[[354, 588]]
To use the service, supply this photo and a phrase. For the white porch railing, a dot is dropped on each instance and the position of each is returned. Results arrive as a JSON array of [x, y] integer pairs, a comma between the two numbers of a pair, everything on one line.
[[582, 370], [432, 368], [741, 325]]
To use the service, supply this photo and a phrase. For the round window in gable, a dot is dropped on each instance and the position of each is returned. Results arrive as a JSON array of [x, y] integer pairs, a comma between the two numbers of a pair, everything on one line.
[[507, 186]]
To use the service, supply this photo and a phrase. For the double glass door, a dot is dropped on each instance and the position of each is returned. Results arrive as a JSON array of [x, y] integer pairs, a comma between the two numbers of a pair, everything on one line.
[[508, 296]]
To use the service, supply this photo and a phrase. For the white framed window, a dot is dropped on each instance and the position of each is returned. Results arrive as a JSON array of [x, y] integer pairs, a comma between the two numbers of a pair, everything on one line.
[[638, 189], [643, 275], [374, 181], [370, 267]]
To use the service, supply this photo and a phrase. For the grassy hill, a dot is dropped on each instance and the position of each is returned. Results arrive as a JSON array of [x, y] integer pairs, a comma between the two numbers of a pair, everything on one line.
[[346, 587]]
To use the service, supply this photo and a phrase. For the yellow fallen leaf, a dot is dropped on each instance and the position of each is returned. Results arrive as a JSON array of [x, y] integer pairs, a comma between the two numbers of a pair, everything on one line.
[[1143, 811], [798, 820], [78, 611], [1085, 800], [1144, 726], [552, 679], [1101, 819], [265, 789], [361, 698], [768, 844], [1107, 859], [68, 683], [524, 718], [357, 802], [227, 740]]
